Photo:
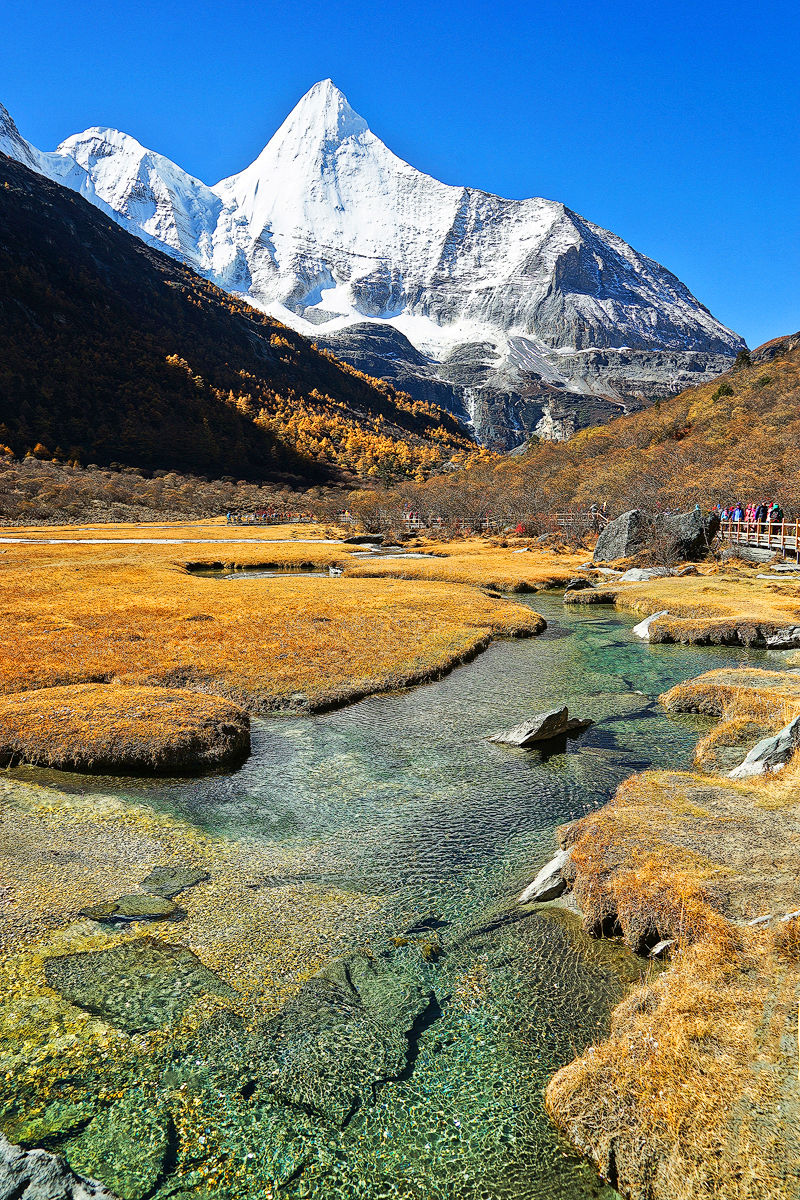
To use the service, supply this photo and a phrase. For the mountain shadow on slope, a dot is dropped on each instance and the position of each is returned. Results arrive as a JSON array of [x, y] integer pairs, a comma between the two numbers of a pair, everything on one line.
[[111, 351]]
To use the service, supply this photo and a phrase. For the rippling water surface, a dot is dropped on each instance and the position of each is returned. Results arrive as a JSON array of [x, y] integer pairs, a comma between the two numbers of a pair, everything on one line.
[[402, 797]]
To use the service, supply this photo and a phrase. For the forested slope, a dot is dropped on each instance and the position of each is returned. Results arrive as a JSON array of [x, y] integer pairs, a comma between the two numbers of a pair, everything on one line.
[[112, 352], [735, 438]]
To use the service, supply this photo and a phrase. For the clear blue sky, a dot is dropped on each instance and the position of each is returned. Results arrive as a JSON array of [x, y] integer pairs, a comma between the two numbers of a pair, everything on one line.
[[673, 124]]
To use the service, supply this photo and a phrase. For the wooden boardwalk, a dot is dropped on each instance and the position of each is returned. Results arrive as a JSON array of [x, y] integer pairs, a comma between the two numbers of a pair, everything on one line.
[[781, 538]]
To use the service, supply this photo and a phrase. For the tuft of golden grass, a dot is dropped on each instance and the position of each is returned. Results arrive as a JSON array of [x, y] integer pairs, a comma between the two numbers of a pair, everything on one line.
[[694, 1093], [113, 728]]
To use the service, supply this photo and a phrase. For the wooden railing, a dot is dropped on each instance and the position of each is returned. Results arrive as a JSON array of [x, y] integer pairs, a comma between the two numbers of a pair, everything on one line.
[[779, 537], [593, 518]]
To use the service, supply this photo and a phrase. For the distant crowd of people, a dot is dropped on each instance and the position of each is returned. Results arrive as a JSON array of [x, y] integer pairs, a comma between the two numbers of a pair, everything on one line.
[[768, 512], [267, 517]]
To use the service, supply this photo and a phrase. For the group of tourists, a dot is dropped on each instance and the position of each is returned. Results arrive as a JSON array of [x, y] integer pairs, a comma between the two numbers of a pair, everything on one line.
[[266, 517], [768, 512]]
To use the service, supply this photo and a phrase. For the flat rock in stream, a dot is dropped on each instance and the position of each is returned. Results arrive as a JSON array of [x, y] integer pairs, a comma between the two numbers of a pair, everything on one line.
[[543, 727]]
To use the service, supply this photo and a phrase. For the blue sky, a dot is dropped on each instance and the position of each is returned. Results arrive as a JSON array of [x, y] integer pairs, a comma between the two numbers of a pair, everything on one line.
[[673, 124]]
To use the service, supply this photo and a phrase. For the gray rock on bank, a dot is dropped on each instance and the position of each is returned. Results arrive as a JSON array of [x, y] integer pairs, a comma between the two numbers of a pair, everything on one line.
[[784, 639], [38, 1175], [771, 753], [543, 727], [624, 536], [687, 535], [642, 630], [550, 883]]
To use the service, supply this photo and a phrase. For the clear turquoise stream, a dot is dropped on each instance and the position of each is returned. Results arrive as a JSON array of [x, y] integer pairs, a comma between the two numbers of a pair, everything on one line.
[[402, 796]]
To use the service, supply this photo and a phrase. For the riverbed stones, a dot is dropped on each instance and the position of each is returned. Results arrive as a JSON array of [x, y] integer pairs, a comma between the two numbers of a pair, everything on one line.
[[38, 1175], [140, 985], [550, 883], [771, 753]]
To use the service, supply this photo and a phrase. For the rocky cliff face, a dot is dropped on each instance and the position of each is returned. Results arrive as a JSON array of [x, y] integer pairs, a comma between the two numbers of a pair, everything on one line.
[[498, 301]]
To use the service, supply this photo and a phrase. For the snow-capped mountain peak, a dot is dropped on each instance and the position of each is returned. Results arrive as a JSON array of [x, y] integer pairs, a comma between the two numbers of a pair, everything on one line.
[[327, 229]]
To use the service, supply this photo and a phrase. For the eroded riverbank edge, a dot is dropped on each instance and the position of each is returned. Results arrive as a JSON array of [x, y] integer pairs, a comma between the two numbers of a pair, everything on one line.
[[695, 1091]]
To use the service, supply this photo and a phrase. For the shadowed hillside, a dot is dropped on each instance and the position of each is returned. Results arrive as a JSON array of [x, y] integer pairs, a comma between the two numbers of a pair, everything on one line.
[[112, 352]]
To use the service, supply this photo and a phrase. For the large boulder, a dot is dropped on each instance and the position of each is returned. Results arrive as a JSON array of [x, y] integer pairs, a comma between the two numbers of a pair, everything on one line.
[[683, 535], [771, 753], [623, 537], [688, 535]]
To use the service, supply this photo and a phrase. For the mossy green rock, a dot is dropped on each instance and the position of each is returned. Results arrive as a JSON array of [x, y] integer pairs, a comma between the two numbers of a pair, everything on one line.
[[138, 906], [126, 1148]]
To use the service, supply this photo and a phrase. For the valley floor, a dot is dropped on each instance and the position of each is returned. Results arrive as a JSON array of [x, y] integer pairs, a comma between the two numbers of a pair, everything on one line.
[[694, 1093]]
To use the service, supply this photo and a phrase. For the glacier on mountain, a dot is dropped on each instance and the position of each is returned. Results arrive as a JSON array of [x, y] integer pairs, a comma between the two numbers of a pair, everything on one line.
[[519, 315]]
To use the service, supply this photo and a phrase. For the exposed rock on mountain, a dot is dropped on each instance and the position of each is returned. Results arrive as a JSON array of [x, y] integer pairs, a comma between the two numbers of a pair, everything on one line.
[[519, 309]]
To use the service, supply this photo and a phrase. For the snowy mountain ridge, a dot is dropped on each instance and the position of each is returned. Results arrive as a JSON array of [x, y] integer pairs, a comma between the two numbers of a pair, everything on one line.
[[513, 304]]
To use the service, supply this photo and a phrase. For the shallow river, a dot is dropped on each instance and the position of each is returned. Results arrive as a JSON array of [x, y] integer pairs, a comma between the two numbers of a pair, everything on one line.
[[400, 796]]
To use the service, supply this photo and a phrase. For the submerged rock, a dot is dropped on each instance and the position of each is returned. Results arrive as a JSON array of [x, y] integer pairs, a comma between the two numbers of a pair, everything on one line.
[[168, 881], [541, 728], [550, 883], [345, 1033], [138, 906], [771, 753], [128, 1144], [37, 1175], [138, 985]]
